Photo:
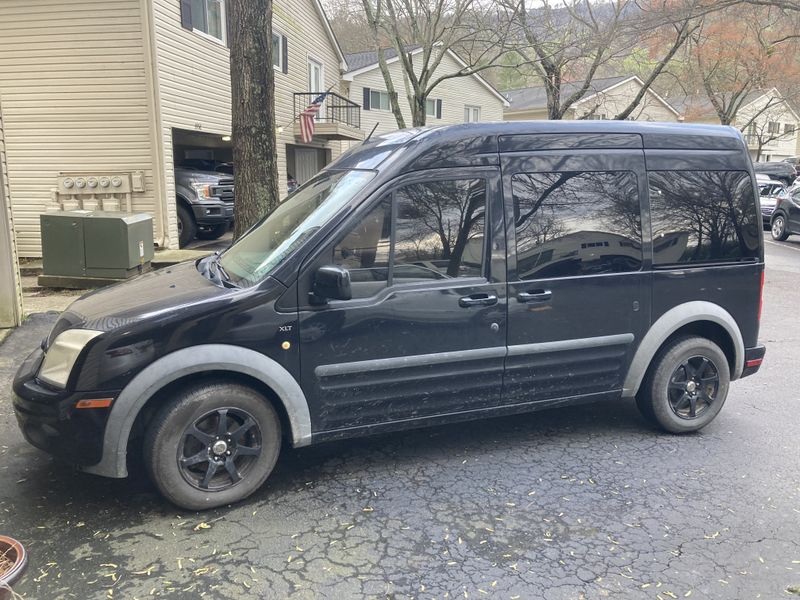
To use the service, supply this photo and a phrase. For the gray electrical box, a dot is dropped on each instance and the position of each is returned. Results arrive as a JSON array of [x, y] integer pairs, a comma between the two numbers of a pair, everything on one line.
[[85, 243]]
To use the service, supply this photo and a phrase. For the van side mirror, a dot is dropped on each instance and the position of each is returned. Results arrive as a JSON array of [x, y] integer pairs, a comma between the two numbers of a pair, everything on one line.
[[331, 282]]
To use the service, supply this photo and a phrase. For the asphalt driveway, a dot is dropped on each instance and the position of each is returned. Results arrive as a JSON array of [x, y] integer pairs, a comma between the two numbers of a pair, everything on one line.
[[585, 502]]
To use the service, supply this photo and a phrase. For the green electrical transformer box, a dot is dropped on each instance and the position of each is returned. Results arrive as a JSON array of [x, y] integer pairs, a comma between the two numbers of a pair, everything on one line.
[[91, 243]]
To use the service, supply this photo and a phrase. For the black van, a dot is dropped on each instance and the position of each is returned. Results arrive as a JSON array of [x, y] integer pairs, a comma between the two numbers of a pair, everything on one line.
[[427, 276]]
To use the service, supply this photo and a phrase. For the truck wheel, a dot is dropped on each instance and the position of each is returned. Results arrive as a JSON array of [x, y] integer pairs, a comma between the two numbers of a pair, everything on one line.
[[213, 444], [779, 232], [214, 232], [187, 229], [686, 385]]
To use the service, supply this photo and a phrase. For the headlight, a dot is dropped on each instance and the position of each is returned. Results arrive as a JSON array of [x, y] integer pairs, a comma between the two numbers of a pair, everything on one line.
[[62, 354], [203, 190]]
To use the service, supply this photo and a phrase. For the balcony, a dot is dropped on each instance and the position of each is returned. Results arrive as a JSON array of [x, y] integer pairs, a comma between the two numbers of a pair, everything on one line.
[[338, 119]]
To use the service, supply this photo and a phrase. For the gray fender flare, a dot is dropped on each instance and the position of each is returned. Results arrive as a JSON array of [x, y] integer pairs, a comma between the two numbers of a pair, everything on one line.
[[669, 323], [197, 359]]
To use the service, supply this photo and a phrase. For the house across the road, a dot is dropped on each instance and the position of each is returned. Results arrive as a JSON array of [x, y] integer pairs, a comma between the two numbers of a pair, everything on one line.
[[768, 121], [455, 100], [125, 89], [605, 98]]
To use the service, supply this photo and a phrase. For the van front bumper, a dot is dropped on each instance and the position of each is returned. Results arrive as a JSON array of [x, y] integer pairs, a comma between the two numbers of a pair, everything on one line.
[[753, 357], [50, 419]]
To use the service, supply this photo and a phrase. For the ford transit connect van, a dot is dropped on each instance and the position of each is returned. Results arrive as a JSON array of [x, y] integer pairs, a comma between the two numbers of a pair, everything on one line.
[[426, 276]]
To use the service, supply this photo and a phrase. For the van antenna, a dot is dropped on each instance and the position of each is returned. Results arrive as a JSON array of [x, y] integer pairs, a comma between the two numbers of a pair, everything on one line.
[[371, 132]]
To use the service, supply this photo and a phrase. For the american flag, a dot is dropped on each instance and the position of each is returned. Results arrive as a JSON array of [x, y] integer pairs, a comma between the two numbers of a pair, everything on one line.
[[307, 118]]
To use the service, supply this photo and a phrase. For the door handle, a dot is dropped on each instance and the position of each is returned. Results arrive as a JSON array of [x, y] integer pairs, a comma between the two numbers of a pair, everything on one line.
[[535, 296], [477, 300]]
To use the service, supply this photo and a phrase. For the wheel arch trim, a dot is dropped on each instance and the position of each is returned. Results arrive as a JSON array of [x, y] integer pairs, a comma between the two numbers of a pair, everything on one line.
[[669, 323], [197, 359]]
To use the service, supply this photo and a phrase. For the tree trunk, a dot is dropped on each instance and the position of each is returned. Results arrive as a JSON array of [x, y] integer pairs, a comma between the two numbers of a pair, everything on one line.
[[418, 114], [253, 111]]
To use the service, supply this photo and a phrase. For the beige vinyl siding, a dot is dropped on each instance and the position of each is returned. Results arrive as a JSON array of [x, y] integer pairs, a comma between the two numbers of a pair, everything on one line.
[[616, 99], [455, 93], [74, 94], [538, 114], [300, 22], [768, 108], [194, 90]]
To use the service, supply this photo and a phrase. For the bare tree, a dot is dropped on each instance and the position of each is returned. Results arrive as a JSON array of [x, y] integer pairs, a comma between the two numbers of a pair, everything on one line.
[[252, 111], [574, 41], [421, 33]]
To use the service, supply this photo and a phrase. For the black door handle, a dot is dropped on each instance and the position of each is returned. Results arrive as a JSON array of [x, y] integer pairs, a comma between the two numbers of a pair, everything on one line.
[[477, 300], [535, 296]]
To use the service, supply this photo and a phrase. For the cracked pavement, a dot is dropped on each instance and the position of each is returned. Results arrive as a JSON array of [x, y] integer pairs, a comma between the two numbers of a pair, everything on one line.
[[582, 502]]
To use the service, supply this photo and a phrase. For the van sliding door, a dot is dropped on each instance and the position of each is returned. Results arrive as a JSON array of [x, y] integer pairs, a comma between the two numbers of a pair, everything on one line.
[[578, 283]]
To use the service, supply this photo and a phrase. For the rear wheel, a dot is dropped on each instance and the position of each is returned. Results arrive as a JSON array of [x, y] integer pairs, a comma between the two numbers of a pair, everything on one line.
[[686, 386], [213, 444], [187, 228], [779, 232]]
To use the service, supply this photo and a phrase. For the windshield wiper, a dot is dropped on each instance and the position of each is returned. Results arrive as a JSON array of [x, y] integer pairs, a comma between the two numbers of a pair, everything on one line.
[[225, 279]]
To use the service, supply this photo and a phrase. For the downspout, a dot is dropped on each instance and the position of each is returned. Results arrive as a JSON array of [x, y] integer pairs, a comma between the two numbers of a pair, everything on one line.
[[151, 69]]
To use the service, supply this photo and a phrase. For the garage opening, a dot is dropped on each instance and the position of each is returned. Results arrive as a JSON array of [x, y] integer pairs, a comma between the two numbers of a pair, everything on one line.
[[203, 188], [303, 162]]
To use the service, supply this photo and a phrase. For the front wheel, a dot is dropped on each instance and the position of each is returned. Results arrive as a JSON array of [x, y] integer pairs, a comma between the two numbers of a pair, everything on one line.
[[686, 386], [187, 228], [779, 232], [213, 444]]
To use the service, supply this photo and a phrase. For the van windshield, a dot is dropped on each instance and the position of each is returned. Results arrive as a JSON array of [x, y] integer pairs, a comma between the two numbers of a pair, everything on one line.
[[292, 222]]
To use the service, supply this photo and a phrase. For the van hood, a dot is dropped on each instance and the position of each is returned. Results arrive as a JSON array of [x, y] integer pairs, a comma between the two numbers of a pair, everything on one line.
[[166, 290]]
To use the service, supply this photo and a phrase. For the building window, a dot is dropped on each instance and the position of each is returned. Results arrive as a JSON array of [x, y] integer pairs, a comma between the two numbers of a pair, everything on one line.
[[208, 16], [773, 127], [702, 217], [576, 223], [430, 107], [788, 128], [472, 114], [277, 50], [379, 100]]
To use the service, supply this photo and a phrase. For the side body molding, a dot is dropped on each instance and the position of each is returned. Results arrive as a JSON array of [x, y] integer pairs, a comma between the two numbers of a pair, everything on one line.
[[671, 321], [197, 359]]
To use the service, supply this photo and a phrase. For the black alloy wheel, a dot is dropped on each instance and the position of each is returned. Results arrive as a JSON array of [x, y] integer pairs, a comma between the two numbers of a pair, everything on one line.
[[219, 448], [686, 385], [212, 443], [693, 387]]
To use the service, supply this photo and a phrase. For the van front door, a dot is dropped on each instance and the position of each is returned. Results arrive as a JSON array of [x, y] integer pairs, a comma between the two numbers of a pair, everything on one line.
[[424, 332], [578, 292]]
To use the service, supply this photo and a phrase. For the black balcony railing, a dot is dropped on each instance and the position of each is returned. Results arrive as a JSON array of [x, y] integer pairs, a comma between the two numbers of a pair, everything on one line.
[[335, 108]]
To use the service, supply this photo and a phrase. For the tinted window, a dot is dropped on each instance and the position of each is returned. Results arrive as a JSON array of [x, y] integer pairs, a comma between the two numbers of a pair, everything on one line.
[[438, 234], [364, 251], [703, 216], [439, 231], [576, 223]]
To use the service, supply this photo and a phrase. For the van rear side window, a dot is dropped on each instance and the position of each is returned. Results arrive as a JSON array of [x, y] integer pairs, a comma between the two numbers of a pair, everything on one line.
[[703, 216], [576, 223]]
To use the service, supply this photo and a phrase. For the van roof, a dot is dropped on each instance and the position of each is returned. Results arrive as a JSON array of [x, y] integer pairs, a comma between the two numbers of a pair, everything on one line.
[[465, 144]]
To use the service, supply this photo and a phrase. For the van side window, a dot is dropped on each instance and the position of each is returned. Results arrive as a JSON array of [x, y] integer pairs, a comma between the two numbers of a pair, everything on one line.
[[438, 234], [364, 251], [576, 223], [439, 230], [703, 216]]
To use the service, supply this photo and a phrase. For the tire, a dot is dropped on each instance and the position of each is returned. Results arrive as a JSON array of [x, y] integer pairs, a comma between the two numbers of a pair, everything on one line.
[[214, 232], [686, 385], [204, 480], [778, 228], [187, 228]]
